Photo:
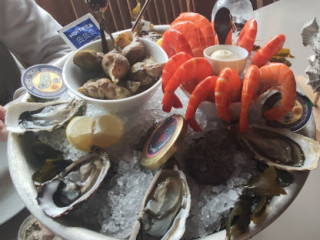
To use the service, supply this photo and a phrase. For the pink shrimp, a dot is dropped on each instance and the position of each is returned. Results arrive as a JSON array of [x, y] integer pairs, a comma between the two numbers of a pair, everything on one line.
[[201, 22], [189, 74], [278, 76], [172, 65], [265, 53], [193, 35], [250, 83], [202, 90], [174, 41], [247, 35], [227, 90]]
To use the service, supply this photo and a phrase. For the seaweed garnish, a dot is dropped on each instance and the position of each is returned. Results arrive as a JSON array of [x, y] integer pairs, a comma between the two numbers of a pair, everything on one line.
[[256, 196]]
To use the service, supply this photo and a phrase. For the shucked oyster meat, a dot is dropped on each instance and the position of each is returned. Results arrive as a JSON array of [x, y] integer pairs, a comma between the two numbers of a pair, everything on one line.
[[75, 184], [40, 116], [165, 207], [282, 148]]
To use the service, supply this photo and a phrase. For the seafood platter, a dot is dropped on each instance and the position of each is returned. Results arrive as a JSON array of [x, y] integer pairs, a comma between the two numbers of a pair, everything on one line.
[[167, 170]]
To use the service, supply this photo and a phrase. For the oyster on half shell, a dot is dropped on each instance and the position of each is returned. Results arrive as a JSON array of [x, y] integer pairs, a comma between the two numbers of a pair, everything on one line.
[[165, 208], [282, 148], [24, 117], [75, 184]]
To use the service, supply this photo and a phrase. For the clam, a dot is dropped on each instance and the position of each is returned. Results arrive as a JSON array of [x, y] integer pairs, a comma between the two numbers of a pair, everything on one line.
[[282, 148], [40, 116], [74, 185], [165, 207]]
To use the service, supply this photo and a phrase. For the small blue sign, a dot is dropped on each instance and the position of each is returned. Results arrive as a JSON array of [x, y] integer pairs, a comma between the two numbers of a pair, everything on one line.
[[82, 32]]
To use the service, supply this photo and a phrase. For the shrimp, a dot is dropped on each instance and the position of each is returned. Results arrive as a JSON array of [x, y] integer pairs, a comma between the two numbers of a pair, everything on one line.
[[248, 35], [201, 22], [174, 41], [278, 76], [250, 83], [199, 94], [171, 66], [189, 74], [265, 53], [227, 90], [193, 35]]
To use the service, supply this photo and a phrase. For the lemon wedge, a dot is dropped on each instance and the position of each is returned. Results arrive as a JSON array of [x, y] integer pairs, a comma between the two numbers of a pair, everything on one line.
[[83, 132]]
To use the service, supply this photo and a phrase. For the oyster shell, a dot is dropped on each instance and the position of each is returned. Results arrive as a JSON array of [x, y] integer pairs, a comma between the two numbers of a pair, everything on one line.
[[311, 36], [75, 184], [166, 207], [40, 116], [313, 72], [282, 148]]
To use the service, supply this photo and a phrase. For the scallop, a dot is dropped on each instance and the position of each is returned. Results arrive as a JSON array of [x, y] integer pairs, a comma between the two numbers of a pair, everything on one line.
[[24, 117], [75, 184], [166, 207], [282, 148]]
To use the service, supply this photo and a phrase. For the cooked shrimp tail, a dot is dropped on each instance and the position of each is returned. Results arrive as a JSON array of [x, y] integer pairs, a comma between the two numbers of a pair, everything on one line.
[[199, 94], [267, 51], [170, 100], [278, 76], [247, 35], [249, 86], [189, 74], [227, 90]]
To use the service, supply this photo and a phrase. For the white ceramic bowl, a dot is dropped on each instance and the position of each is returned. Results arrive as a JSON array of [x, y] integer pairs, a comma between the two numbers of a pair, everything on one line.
[[238, 63], [74, 77]]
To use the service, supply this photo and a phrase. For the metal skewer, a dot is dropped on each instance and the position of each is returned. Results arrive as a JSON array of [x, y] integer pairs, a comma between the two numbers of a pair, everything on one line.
[[140, 15]]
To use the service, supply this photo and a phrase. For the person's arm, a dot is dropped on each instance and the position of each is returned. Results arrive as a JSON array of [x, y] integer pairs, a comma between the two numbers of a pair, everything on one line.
[[30, 32]]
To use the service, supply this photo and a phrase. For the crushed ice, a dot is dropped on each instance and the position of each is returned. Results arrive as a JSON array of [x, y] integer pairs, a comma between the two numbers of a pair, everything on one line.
[[117, 203]]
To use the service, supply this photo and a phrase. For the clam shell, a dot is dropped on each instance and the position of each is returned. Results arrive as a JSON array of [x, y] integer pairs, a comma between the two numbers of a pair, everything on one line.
[[309, 149], [24, 117]]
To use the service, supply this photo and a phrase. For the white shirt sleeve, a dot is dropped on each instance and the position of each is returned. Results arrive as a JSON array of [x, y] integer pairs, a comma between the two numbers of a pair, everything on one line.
[[30, 32]]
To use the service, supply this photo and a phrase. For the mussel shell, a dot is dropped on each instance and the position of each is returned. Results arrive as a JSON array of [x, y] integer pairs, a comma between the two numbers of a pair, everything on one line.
[[75, 184], [282, 148]]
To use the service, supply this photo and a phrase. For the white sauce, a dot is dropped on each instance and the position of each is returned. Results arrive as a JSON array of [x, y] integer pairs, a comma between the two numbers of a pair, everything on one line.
[[224, 55]]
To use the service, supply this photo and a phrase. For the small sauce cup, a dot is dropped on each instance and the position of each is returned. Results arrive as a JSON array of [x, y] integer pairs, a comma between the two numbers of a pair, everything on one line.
[[218, 64]]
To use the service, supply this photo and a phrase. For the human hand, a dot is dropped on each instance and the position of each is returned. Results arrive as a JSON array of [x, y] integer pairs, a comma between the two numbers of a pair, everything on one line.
[[3, 130]]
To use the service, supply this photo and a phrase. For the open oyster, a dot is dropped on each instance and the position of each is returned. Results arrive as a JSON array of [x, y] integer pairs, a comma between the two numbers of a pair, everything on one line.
[[165, 208], [282, 148], [40, 116], [75, 184]]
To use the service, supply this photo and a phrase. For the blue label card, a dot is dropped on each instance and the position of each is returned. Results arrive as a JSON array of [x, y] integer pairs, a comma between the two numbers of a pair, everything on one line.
[[81, 31]]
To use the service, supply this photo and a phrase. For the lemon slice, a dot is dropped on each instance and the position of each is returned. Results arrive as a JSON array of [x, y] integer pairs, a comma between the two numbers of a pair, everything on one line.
[[107, 130], [83, 132]]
